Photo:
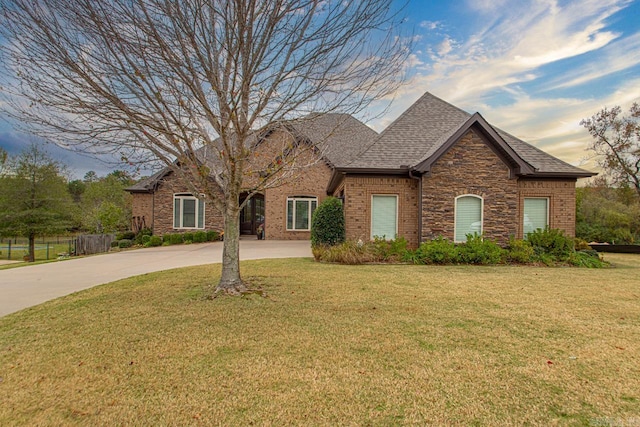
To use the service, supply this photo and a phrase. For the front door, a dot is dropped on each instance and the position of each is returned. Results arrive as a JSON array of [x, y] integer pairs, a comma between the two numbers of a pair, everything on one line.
[[252, 215]]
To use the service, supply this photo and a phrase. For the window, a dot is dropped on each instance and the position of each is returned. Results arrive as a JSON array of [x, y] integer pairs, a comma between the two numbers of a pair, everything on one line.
[[468, 217], [188, 211], [299, 212], [536, 214], [384, 216]]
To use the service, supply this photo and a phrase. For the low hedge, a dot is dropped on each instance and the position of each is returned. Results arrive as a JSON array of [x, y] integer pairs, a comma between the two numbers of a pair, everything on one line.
[[547, 247]]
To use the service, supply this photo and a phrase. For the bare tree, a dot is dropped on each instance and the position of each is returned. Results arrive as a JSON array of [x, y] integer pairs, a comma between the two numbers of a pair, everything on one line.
[[617, 144], [159, 79]]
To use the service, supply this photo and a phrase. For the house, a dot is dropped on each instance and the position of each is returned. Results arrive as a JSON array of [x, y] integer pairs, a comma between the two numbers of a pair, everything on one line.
[[435, 171]]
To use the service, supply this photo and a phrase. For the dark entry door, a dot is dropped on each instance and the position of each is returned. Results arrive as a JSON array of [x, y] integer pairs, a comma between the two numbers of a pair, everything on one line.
[[252, 215]]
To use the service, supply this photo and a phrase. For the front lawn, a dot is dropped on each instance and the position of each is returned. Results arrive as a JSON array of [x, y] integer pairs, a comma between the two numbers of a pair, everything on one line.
[[333, 345]]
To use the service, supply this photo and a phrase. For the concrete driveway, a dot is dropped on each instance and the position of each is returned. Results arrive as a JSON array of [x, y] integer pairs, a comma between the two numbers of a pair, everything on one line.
[[31, 285]]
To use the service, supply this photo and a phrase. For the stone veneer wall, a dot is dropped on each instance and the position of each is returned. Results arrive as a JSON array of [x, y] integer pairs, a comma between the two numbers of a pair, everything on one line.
[[470, 167], [163, 218], [358, 191], [562, 201]]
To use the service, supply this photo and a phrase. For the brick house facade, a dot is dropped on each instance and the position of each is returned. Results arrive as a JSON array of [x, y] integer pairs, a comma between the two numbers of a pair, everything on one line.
[[435, 171]]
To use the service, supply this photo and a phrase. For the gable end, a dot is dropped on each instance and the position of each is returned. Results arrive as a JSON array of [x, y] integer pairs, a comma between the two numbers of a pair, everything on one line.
[[476, 122]]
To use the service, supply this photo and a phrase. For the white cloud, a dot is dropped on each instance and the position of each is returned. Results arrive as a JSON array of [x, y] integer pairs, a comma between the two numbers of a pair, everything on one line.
[[513, 44], [430, 25]]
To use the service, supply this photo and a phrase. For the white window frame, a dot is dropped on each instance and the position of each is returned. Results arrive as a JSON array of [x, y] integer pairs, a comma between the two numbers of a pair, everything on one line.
[[372, 236], [188, 196], [296, 199], [455, 215], [548, 199]]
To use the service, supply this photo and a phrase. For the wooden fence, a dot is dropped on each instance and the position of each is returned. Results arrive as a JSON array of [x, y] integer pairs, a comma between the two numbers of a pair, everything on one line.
[[94, 243]]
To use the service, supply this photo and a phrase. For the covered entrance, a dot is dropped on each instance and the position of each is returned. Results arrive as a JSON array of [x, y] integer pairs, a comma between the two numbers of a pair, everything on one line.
[[252, 215]]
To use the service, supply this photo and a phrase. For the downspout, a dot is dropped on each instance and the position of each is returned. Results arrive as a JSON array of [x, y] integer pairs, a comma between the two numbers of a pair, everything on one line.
[[419, 179]]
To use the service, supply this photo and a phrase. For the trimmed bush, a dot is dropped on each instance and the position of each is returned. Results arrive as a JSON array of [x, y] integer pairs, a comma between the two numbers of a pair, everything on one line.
[[437, 251], [327, 224], [212, 236], [520, 251], [155, 241], [124, 243], [551, 242], [477, 250], [187, 237], [172, 239], [145, 239], [199, 237]]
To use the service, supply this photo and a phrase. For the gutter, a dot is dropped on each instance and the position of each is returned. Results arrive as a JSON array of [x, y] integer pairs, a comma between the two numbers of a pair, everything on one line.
[[419, 179]]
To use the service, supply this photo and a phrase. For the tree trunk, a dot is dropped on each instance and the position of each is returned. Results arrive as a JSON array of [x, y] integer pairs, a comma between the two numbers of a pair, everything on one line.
[[32, 248], [230, 281]]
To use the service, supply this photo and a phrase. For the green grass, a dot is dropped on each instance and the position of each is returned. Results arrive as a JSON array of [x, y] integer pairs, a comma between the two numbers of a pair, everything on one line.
[[333, 345], [18, 251]]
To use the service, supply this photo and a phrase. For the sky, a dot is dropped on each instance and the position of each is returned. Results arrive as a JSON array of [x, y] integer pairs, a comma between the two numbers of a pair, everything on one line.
[[531, 68]]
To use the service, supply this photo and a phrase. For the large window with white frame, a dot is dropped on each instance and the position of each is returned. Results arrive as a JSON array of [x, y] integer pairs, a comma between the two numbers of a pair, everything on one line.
[[299, 212], [468, 216], [188, 211], [536, 214], [384, 216]]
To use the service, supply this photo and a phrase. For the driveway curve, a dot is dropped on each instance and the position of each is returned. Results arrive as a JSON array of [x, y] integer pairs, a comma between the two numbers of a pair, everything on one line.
[[31, 285]]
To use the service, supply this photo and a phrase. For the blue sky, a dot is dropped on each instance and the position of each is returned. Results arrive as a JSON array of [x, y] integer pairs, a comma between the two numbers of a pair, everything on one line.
[[532, 68]]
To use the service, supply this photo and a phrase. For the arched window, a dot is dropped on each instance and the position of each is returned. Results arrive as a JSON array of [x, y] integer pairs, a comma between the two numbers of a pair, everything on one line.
[[468, 216]]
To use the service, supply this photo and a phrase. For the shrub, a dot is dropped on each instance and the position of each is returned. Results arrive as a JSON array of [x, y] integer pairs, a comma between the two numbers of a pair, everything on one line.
[[114, 244], [199, 237], [477, 250], [327, 224], [145, 239], [520, 251], [437, 251], [155, 241], [581, 244], [172, 239], [587, 258], [124, 243], [126, 235], [348, 252], [387, 250], [212, 236], [552, 242], [187, 237], [139, 238]]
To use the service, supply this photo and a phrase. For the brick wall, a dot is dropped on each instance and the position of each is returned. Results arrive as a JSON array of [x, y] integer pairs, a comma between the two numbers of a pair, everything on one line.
[[470, 167], [163, 215], [358, 191], [312, 182], [142, 210], [562, 201]]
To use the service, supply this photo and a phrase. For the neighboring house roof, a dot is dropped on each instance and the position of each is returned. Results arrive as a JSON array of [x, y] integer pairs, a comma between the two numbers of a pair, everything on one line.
[[426, 130]]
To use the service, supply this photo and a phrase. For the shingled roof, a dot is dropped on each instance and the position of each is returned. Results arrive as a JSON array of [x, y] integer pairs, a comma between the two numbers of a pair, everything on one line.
[[338, 137], [430, 126]]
